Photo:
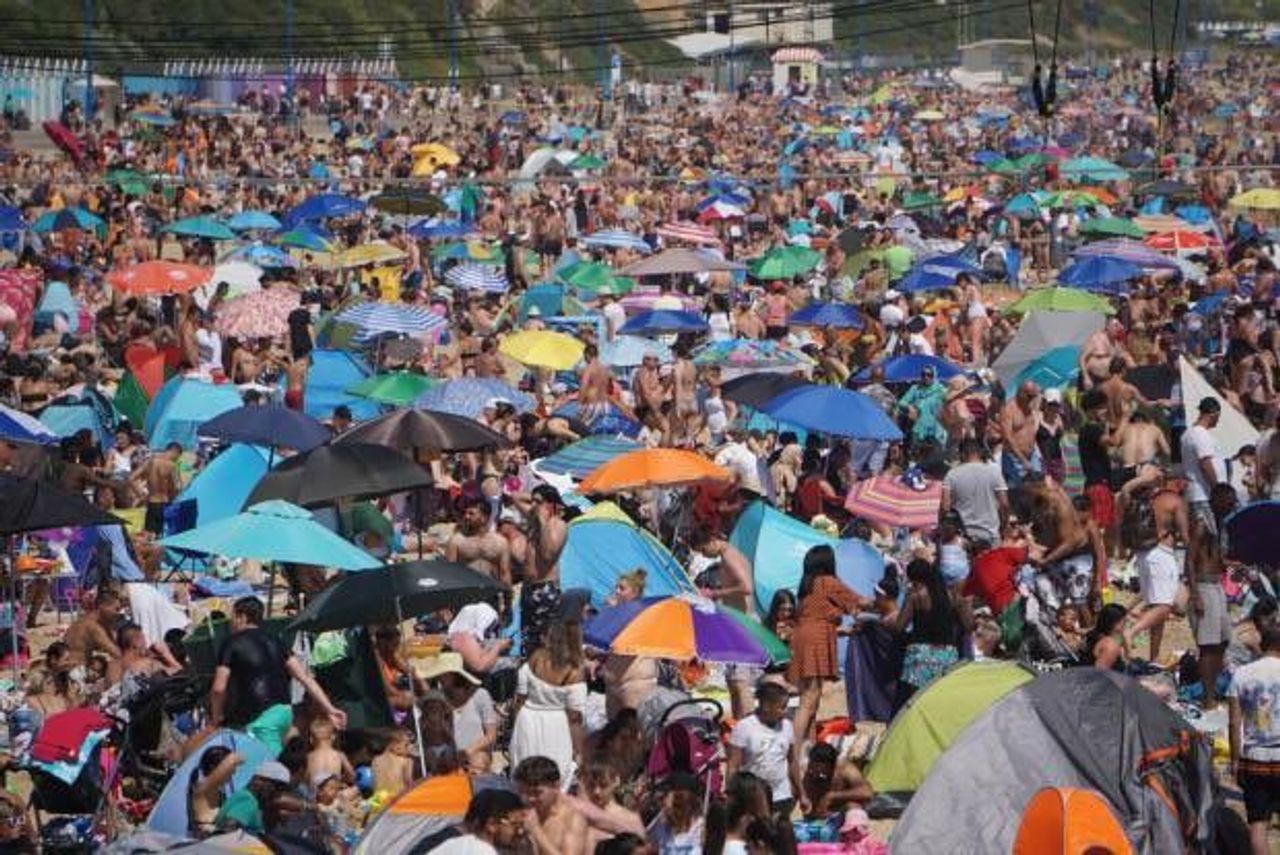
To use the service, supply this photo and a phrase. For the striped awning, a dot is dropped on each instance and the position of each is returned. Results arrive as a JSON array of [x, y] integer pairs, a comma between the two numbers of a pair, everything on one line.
[[797, 54]]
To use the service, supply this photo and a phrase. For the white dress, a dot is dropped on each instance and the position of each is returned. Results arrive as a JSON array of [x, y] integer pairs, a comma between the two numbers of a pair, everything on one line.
[[542, 725]]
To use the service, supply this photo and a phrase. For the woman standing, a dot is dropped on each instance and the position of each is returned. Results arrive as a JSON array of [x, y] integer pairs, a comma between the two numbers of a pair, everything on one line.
[[931, 624], [551, 691], [824, 600]]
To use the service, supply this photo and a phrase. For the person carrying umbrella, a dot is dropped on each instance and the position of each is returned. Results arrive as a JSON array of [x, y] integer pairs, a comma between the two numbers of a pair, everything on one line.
[[250, 690]]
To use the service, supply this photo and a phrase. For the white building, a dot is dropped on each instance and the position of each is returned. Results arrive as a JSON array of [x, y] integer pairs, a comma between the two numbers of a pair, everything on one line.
[[774, 24]]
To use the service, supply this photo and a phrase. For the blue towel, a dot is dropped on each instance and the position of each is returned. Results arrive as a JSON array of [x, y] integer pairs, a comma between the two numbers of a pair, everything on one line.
[[220, 588]]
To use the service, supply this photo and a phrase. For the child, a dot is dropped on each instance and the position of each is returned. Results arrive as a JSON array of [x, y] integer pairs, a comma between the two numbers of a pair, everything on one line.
[[207, 787], [763, 743], [605, 817], [953, 554], [1068, 628], [323, 758], [393, 768]]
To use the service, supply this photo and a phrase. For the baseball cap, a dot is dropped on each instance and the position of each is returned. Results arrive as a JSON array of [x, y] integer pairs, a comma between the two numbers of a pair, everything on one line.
[[1210, 404], [274, 770], [1053, 396]]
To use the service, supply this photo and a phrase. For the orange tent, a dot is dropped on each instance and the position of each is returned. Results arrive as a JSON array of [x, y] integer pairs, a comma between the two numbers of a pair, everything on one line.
[[652, 467], [159, 277], [1068, 821]]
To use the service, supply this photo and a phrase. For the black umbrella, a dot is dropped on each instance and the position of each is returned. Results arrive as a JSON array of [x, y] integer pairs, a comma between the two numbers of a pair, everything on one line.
[[266, 424], [852, 239], [331, 472], [409, 203], [428, 430], [395, 592], [30, 505], [1169, 187], [755, 390]]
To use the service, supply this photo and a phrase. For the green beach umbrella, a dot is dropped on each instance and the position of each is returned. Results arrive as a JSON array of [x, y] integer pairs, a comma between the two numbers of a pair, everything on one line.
[[399, 388], [1111, 227], [785, 262], [201, 227], [1061, 300]]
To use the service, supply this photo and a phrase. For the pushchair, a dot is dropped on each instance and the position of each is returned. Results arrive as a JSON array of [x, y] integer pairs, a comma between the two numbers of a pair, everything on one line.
[[689, 743], [73, 768]]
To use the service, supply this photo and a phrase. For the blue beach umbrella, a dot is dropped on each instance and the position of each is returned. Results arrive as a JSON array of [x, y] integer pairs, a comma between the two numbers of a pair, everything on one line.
[[201, 227], [1054, 370], [248, 221], [833, 315], [68, 218], [909, 368], [19, 427], [1100, 273], [263, 255], [181, 406], [269, 425], [172, 811], [467, 396], [935, 273], [325, 206], [829, 410], [604, 543], [664, 321]]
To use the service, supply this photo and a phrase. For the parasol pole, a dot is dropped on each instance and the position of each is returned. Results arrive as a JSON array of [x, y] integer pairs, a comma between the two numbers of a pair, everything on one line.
[[12, 543], [417, 713]]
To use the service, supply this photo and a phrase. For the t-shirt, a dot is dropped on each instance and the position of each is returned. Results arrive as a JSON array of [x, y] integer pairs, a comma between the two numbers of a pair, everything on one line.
[[992, 577], [258, 676], [1256, 687], [1094, 458], [765, 752], [616, 316], [973, 487], [737, 458], [242, 808], [467, 844], [470, 719], [1197, 444]]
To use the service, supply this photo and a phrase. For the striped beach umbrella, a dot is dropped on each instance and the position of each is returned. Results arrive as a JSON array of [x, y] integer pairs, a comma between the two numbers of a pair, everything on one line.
[[617, 239], [477, 277], [886, 500], [376, 318], [686, 232]]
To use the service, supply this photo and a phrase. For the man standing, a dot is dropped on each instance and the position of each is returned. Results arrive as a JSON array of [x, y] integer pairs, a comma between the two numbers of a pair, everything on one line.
[[923, 403], [494, 820], [684, 387], [1202, 459], [163, 484], [1254, 735], [1019, 420], [1095, 443], [540, 593], [593, 385], [1207, 604], [476, 546], [552, 824], [250, 690], [977, 491]]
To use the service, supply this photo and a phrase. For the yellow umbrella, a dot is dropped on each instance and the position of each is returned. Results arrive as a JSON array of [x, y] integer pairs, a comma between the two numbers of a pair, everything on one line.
[[1260, 198], [370, 253], [930, 115], [543, 348], [437, 153]]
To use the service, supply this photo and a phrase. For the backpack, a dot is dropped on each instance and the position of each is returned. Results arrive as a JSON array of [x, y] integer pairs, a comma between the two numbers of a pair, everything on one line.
[[1139, 530]]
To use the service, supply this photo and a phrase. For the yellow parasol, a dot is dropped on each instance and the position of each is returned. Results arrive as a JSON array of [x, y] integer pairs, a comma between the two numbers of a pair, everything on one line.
[[370, 253], [543, 348]]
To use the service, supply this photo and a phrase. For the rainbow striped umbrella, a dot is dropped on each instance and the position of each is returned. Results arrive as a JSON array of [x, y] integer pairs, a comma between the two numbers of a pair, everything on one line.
[[684, 627], [886, 500]]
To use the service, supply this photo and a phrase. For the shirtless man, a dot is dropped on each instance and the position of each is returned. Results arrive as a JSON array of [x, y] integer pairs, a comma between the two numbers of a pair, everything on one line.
[[553, 825], [832, 786], [295, 373], [1019, 419], [649, 390], [1122, 396], [477, 547], [684, 380], [1068, 561], [1143, 450], [93, 631], [540, 593], [160, 473], [593, 388], [187, 335], [1207, 605], [1098, 351]]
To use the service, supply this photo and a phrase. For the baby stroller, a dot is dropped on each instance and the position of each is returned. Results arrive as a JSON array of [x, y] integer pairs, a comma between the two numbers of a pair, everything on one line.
[[688, 742], [73, 767]]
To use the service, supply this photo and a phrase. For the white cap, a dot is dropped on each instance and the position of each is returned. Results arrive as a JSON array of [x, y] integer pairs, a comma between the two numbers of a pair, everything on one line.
[[892, 294], [1053, 396]]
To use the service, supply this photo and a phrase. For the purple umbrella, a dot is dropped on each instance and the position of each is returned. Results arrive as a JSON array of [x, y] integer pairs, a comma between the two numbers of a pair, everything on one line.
[[682, 628]]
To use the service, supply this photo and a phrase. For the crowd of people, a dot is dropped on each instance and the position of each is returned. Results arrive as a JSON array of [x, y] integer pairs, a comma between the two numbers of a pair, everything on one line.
[[1082, 515]]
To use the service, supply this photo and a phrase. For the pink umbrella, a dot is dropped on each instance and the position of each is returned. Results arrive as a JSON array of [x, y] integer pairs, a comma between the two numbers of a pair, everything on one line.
[[19, 292], [886, 500], [689, 233], [264, 314]]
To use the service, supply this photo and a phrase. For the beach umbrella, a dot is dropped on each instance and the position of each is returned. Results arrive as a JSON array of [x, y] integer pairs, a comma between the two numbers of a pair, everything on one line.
[[24, 428], [606, 419], [12, 219], [909, 368], [832, 315], [1169, 187], [829, 410], [755, 390], [425, 810], [438, 229], [394, 593], [28, 504], [68, 219], [886, 500], [747, 354], [603, 543], [1196, 215], [1258, 199], [785, 262], [628, 351], [920, 201], [129, 181], [543, 348], [64, 139], [398, 388], [324, 206], [468, 396], [1181, 241], [1092, 169], [1100, 273], [268, 425], [687, 232], [718, 211], [1251, 536], [1053, 370], [240, 277], [679, 261], [936, 273], [264, 314], [377, 253], [578, 459], [406, 203], [1069, 199], [586, 162], [249, 221], [1161, 223], [476, 251], [1023, 206], [201, 227], [664, 321], [1111, 227], [589, 275], [424, 430], [262, 255], [470, 276], [1131, 251], [683, 628], [617, 239], [400, 318], [653, 467], [436, 154], [1061, 300], [273, 530], [305, 238], [327, 473], [153, 278], [172, 811]]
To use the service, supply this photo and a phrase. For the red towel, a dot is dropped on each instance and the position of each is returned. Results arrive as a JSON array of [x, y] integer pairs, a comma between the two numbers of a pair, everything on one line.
[[62, 734]]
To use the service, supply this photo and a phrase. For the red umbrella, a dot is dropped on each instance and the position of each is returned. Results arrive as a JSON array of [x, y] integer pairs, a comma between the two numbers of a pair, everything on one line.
[[1180, 240], [159, 277], [64, 139], [886, 500]]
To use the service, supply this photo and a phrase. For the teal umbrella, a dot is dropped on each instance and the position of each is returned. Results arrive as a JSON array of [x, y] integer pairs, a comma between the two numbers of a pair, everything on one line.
[[1093, 169], [201, 227], [274, 530], [1054, 370]]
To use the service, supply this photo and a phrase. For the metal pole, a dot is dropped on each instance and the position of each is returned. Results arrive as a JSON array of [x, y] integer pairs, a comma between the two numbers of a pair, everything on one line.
[[87, 25], [602, 66], [732, 78], [288, 52], [454, 73]]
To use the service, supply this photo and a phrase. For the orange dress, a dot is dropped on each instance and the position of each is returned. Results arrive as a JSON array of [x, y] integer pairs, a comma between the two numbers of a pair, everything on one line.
[[813, 641]]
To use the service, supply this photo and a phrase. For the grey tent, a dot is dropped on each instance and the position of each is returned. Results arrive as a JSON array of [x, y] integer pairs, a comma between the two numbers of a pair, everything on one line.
[[1082, 727], [1041, 332]]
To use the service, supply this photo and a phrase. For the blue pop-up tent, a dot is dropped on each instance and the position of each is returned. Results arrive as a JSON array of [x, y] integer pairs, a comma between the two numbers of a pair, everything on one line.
[[182, 405], [604, 543], [220, 489], [332, 372]]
